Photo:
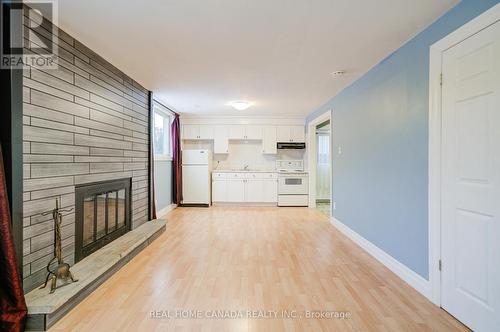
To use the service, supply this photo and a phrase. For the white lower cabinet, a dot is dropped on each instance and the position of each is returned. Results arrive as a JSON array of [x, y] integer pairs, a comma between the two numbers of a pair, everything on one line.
[[242, 187], [235, 190], [270, 190], [254, 190], [219, 190]]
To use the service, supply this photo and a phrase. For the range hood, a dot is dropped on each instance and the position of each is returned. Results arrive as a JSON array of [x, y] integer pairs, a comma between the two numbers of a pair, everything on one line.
[[291, 145]]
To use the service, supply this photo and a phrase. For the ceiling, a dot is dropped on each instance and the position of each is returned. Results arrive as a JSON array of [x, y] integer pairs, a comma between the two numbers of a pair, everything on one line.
[[197, 55]]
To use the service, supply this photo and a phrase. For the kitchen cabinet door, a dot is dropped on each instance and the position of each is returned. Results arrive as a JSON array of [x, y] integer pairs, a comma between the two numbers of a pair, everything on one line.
[[254, 190], [297, 134], [269, 140], [219, 191], [190, 131], [270, 191], [253, 132], [206, 132], [221, 139], [237, 132], [283, 134], [235, 190]]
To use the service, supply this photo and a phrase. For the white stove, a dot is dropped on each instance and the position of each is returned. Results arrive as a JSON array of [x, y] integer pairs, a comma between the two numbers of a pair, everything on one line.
[[293, 183]]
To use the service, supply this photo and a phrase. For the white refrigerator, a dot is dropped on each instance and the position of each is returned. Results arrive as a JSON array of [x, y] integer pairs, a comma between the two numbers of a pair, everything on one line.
[[196, 178]]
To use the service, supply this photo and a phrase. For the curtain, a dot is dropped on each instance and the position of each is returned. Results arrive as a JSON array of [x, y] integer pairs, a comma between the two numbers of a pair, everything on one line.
[[323, 166], [176, 162], [13, 309]]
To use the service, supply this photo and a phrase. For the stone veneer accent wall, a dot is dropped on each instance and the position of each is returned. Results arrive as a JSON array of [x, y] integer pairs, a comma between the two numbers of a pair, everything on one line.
[[84, 122]]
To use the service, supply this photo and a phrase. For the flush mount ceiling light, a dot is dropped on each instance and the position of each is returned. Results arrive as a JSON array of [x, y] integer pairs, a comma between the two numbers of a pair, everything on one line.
[[240, 105], [338, 73]]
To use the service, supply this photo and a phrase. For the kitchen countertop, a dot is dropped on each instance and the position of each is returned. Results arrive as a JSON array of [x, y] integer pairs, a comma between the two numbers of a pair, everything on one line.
[[242, 171]]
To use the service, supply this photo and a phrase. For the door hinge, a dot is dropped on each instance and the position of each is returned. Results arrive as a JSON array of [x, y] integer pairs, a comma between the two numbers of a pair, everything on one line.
[[440, 265], [441, 79]]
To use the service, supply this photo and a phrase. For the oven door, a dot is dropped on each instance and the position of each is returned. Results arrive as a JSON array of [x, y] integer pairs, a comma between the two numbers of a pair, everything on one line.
[[292, 184]]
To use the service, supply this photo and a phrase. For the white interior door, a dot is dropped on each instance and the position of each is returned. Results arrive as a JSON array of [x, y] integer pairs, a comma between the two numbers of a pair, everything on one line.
[[470, 224]]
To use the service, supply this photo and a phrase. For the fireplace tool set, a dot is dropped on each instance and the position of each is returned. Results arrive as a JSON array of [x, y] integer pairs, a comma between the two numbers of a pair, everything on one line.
[[61, 270]]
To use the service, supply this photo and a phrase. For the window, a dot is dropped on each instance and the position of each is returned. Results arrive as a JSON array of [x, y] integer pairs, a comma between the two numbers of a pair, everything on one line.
[[162, 139]]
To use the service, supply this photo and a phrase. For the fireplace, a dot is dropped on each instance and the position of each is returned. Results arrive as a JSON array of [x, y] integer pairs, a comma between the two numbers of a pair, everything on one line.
[[102, 214]]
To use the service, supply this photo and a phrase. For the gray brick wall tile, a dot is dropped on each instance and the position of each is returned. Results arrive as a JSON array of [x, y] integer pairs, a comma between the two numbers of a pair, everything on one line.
[[26, 171], [101, 142], [106, 118], [35, 85], [105, 134], [135, 126], [106, 167], [42, 158], [94, 159], [59, 149], [38, 206], [135, 153], [37, 134], [59, 126], [54, 192], [106, 152], [47, 183], [102, 126], [51, 170], [58, 104], [79, 179], [41, 76], [26, 94], [45, 113]]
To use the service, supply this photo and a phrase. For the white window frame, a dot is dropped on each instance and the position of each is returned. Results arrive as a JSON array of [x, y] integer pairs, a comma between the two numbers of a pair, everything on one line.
[[166, 114]]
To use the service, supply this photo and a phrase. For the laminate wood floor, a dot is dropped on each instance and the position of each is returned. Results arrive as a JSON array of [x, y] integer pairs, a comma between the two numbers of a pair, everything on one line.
[[223, 261]]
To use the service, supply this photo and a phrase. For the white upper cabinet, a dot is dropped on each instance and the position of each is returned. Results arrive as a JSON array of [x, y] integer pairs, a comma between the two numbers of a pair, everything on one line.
[[283, 133], [298, 134], [222, 134], [206, 132], [253, 132], [221, 139], [190, 131], [241, 132], [294, 134], [269, 140], [197, 132], [237, 132]]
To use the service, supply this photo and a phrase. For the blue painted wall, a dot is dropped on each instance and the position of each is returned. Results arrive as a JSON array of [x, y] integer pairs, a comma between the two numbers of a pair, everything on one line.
[[381, 123], [163, 183]]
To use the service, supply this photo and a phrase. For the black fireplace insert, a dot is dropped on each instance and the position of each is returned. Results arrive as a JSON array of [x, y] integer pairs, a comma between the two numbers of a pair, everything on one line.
[[103, 211]]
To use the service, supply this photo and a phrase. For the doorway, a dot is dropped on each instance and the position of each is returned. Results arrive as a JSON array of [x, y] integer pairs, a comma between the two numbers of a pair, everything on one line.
[[323, 165], [320, 131], [464, 171]]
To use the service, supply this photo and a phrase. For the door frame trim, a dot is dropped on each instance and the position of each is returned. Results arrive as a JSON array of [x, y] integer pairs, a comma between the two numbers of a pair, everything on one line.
[[311, 156], [484, 20]]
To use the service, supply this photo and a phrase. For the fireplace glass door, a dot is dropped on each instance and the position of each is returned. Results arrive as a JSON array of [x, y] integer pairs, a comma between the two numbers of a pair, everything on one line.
[[102, 215]]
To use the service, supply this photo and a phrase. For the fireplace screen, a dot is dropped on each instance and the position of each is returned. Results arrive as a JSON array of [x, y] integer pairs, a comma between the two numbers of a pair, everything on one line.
[[102, 214]]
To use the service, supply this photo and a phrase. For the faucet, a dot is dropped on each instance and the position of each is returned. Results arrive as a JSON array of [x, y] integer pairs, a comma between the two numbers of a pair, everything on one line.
[[245, 167]]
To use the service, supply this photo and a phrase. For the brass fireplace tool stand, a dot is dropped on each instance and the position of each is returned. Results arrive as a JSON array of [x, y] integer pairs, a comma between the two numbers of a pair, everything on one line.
[[61, 270]]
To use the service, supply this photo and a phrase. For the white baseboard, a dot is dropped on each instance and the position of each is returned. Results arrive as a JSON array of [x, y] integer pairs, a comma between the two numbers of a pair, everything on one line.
[[165, 210], [402, 271]]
